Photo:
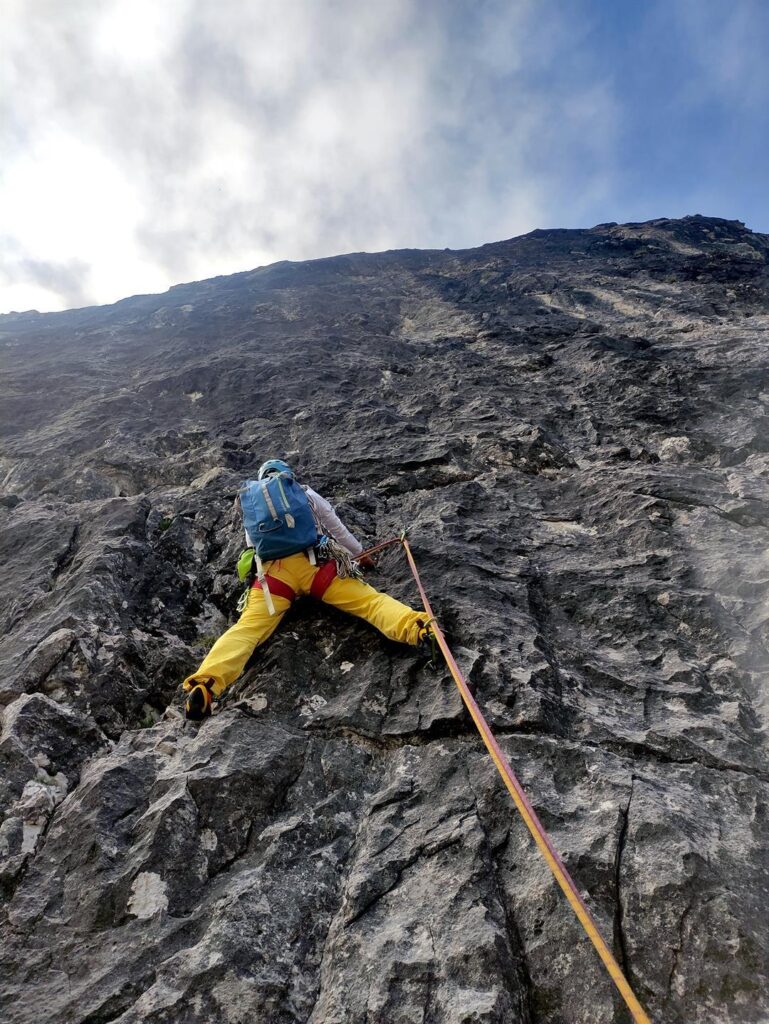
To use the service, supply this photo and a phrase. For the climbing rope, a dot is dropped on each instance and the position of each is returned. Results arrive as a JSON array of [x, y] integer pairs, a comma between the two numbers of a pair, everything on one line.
[[525, 809]]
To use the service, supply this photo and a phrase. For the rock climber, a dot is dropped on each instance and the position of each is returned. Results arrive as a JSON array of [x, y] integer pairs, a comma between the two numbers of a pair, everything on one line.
[[326, 570]]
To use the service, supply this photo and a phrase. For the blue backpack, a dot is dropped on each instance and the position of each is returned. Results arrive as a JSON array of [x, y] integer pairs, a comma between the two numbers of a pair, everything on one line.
[[278, 517]]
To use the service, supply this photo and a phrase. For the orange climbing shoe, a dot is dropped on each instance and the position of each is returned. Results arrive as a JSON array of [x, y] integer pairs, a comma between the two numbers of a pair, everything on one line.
[[427, 644], [199, 701]]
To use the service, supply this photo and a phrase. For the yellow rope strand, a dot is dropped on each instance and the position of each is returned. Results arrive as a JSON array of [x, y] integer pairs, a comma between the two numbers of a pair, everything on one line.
[[528, 814]]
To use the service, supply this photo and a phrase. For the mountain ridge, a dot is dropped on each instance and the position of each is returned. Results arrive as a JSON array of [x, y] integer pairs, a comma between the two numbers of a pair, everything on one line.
[[661, 222]]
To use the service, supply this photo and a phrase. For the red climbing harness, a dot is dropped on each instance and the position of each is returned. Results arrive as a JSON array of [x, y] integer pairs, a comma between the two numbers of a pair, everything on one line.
[[323, 579], [277, 587]]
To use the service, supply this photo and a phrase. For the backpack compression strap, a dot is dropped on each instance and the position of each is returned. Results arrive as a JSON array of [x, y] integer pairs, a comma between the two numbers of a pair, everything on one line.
[[269, 502]]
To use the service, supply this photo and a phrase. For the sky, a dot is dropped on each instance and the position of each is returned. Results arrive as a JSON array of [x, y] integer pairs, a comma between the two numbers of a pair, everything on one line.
[[147, 143]]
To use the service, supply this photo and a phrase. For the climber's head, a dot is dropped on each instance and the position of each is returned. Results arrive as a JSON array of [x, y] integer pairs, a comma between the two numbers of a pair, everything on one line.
[[273, 466]]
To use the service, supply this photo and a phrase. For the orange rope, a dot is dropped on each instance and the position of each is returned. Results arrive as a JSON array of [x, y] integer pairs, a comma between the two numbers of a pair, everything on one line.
[[377, 547], [528, 814]]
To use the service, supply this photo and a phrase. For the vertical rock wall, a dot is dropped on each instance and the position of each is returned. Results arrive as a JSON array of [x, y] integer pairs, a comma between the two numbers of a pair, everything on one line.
[[573, 426]]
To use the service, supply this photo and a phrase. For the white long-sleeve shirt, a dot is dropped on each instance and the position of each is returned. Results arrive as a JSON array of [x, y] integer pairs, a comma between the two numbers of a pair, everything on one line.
[[332, 524], [329, 522]]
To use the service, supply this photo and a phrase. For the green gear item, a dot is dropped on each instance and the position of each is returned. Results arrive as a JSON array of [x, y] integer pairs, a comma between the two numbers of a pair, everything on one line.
[[245, 563]]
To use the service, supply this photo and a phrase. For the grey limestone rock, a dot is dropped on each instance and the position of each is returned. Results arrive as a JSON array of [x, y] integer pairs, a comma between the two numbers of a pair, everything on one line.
[[573, 427]]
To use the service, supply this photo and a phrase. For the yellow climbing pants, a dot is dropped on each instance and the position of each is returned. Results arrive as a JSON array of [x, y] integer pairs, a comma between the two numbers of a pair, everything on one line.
[[227, 658]]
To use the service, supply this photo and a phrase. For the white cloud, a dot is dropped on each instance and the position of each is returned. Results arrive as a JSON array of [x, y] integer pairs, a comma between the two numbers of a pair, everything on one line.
[[152, 143], [67, 205], [729, 43], [136, 34]]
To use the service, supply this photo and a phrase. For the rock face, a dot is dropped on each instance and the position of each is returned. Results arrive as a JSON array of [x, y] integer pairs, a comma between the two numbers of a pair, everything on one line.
[[574, 426]]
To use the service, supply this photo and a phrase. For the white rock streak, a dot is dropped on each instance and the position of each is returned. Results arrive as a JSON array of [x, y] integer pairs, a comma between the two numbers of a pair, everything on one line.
[[148, 895]]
